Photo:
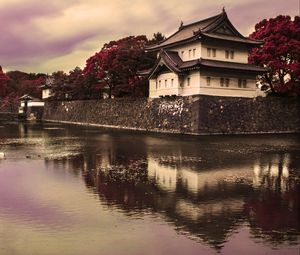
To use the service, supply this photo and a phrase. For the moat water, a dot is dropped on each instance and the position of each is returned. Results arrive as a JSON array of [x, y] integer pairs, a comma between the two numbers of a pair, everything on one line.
[[71, 190]]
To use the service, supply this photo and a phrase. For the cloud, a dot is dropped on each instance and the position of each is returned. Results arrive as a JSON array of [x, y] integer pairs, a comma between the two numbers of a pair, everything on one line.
[[25, 42], [258, 10], [35, 35]]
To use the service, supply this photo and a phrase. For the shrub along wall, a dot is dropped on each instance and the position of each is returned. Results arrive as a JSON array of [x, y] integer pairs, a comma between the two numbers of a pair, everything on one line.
[[197, 114]]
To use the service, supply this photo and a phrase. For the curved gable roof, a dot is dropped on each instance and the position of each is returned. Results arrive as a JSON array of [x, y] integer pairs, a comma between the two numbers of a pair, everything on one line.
[[210, 26], [168, 58]]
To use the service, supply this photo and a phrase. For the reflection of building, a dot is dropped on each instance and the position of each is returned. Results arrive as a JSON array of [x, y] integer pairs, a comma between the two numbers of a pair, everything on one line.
[[194, 182]]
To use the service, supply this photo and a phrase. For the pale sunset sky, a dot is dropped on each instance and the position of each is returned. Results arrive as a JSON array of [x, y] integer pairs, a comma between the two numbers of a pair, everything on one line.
[[46, 36]]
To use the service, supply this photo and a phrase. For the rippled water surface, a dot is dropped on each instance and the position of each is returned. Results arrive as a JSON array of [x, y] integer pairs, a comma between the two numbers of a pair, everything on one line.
[[76, 190]]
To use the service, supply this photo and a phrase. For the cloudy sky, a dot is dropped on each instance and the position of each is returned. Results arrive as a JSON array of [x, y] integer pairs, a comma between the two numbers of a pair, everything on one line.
[[39, 36]]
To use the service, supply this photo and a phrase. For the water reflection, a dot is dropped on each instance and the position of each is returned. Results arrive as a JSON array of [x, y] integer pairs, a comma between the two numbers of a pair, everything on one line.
[[202, 200], [206, 188], [273, 210]]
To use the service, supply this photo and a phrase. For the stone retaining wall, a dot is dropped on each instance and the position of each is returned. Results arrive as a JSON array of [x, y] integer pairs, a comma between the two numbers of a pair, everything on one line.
[[197, 114], [171, 115], [247, 115]]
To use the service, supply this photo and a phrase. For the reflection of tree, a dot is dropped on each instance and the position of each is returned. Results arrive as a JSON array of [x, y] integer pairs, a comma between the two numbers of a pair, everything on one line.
[[273, 209], [274, 217], [121, 189]]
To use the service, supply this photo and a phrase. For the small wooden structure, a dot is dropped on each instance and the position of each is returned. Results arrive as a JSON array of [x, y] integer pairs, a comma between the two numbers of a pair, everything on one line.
[[31, 108]]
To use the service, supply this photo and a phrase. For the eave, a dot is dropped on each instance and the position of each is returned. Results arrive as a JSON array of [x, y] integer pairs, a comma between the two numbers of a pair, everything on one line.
[[244, 41], [224, 65], [181, 67], [178, 43]]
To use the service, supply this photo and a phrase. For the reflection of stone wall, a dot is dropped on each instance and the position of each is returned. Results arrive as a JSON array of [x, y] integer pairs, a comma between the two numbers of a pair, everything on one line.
[[35, 113], [198, 114], [8, 116]]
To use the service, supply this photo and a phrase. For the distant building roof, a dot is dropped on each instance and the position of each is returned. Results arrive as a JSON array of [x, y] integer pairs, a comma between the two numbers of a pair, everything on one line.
[[45, 86], [216, 27], [27, 97]]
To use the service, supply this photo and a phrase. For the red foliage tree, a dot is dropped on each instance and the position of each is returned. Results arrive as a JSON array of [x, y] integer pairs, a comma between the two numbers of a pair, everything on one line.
[[23, 83], [280, 53], [116, 67], [15, 84], [3, 83]]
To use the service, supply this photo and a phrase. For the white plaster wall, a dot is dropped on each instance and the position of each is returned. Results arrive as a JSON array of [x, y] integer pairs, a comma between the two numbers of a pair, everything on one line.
[[198, 85], [186, 48], [194, 87], [164, 90], [152, 88], [240, 54], [46, 93], [214, 89], [32, 104]]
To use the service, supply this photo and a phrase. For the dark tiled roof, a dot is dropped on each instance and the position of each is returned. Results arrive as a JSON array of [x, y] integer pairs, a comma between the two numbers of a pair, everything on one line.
[[231, 38], [187, 31], [193, 31], [26, 97], [170, 58], [45, 86], [144, 72], [230, 65], [174, 63]]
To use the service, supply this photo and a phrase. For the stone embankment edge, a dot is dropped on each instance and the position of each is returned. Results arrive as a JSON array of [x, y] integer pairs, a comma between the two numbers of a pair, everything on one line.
[[162, 131]]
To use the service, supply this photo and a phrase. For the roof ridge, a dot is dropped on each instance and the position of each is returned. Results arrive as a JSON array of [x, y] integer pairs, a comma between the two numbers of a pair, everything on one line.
[[218, 19], [203, 20], [185, 26]]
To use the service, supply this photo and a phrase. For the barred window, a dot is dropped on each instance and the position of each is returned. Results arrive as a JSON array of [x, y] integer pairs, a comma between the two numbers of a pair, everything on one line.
[[227, 82], [208, 52], [208, 79], [222, 82], [226, 54], [214, 53]]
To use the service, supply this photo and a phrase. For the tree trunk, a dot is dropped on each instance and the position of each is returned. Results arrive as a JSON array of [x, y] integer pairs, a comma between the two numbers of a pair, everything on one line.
[[268, 79]]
